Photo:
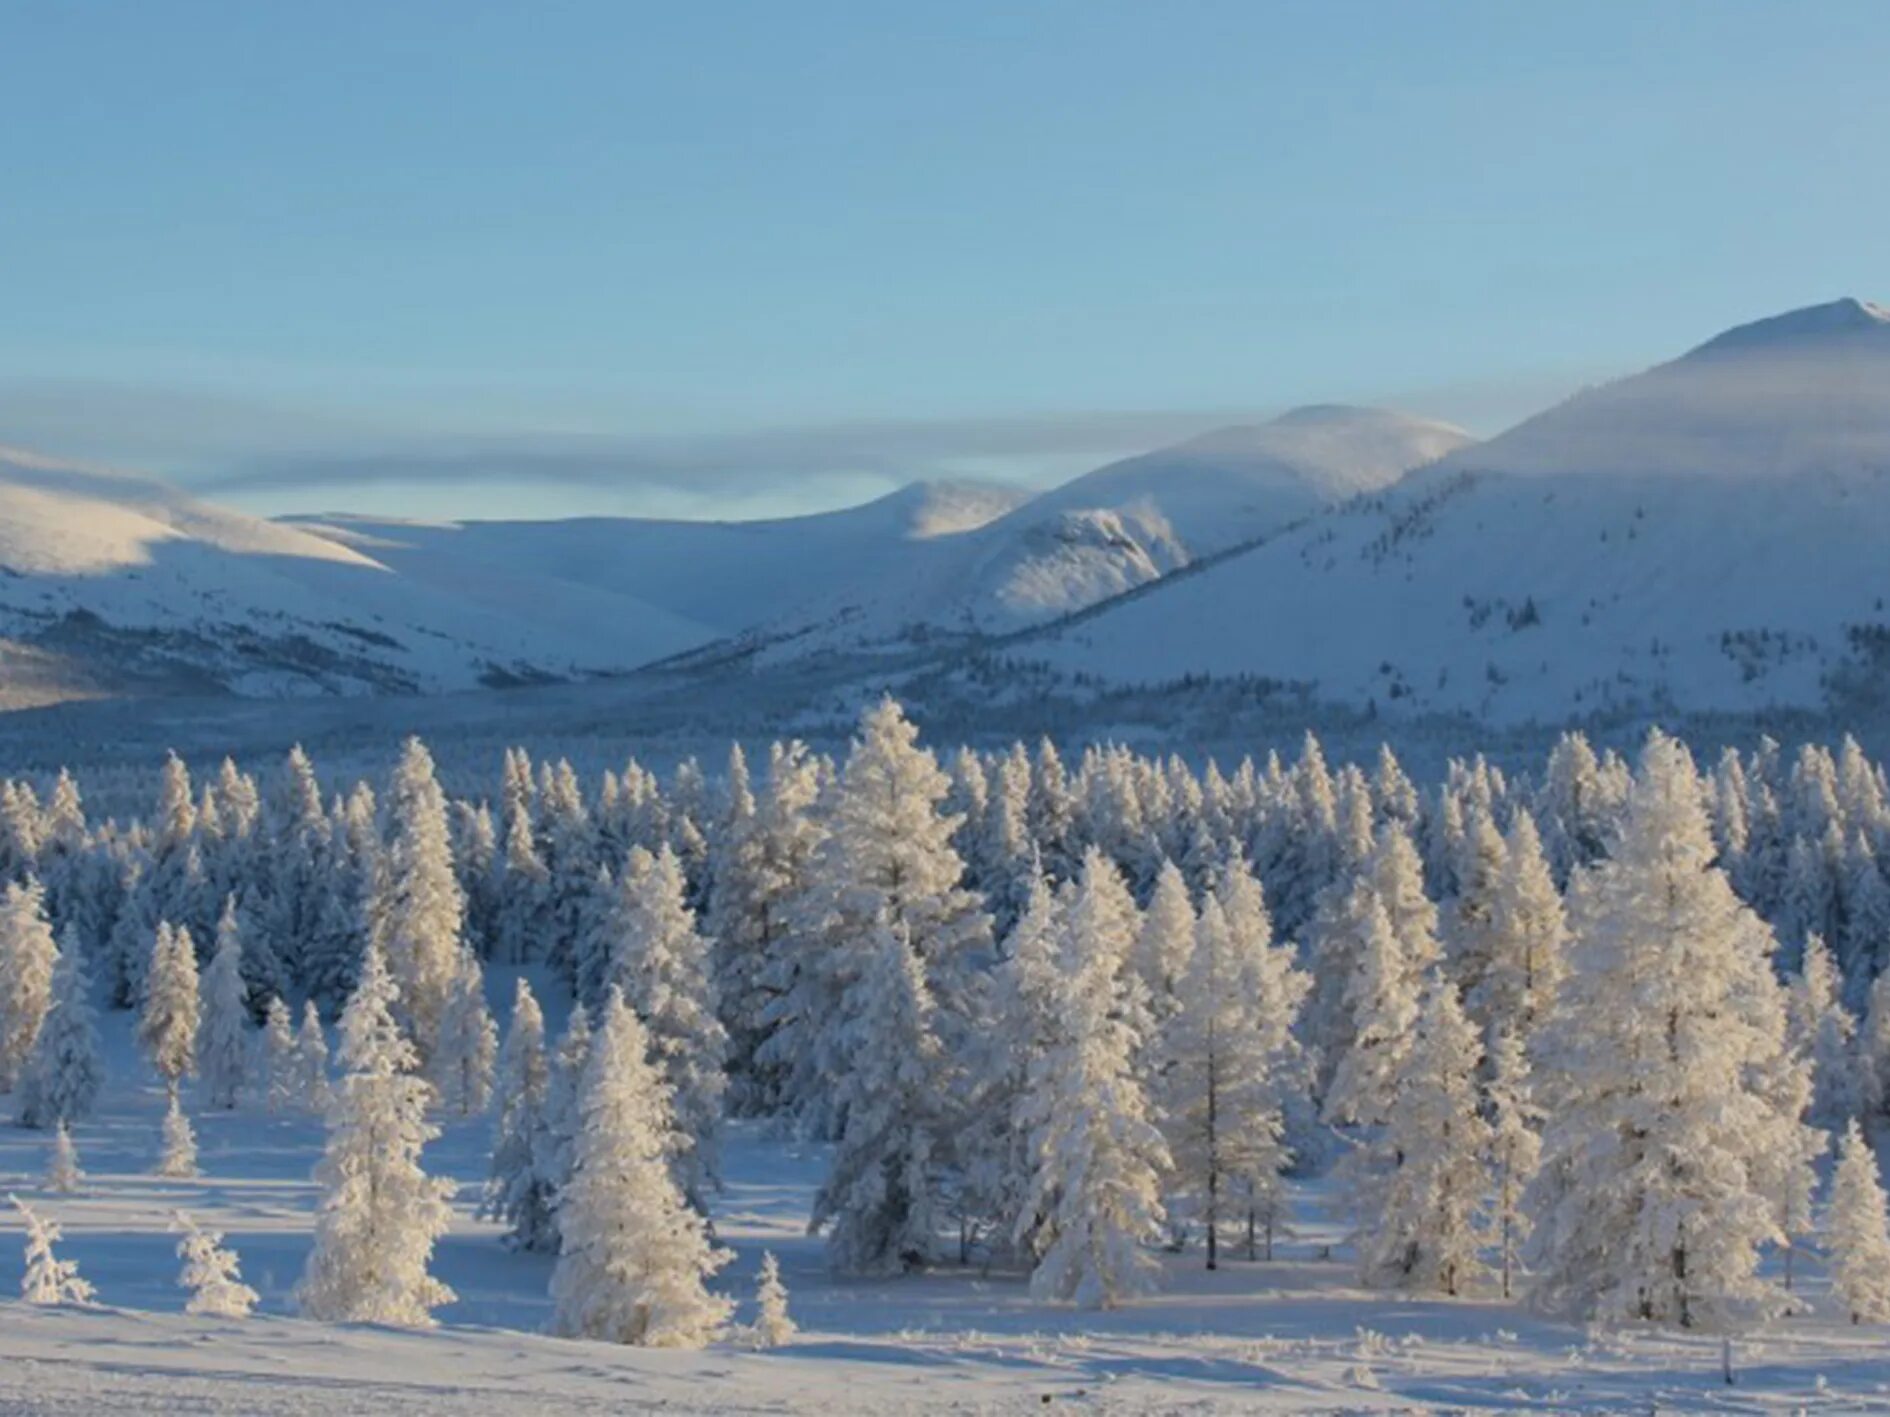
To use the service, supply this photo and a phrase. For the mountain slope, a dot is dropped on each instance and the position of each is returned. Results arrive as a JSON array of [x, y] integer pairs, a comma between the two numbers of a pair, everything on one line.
[[1707, 535], [1122, 526], [112, 583], [721, 577]]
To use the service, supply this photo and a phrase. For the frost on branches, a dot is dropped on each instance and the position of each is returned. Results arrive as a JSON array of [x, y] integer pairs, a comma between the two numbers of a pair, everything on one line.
[[210, 1274], [65, 1070], [1668, 1145], [1856, 1238], [633, 1254], [48, 1279], [1096, 1156], [379, 1213]]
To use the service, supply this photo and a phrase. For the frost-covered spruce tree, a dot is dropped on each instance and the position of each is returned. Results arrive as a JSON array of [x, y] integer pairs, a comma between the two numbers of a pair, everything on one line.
[[1515, 1148], [879, 1202], [467, 1042], [1667, 1144], [1164, 943], [27, 955], [1824, 1033], [177, 1152], [295, 874], [662, 965], [168, 1020], [66, 1070], [1527, 941], [522, 922], [1857, 1236], [517, 1193], [275, 1059], [887, 862], [379, 1212], [223, 1035], [1382, 999], [1421, 1198], [210, 1274], [773, 1325], [62, 1163], [1097, 1157], [416, 915], [1472, 935], [311, 1061], [553, 1143], [48, 1279], [633, 1253], [765, 862]]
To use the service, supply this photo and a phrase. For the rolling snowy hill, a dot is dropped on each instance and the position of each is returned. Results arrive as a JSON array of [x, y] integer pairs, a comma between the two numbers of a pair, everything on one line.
[[112, 584], [1708, 535], [1123, 526]]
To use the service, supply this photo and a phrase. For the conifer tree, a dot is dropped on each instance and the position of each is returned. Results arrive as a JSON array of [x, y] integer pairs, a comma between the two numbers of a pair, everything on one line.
[[467, 1042], [275, 1059], [1824, 1034], [48, 1279], [177, 1157], [886, 863], [417, 913], [167, 1024], [1857, 1237], [765, 864], [1382, 999], [552, 1145], [1528, 939], [1515, 1148], [27, 956], [516, 1192], [1164, 943], [773, 1326], [223, 1035], [1666, 1146], [1096, 1156], [311, 1061], [880, 1199], [210, 1274], [62, 1163], [662, 965], [379, 1212], [1422, 1194], [633, 1254], [66, 1069]]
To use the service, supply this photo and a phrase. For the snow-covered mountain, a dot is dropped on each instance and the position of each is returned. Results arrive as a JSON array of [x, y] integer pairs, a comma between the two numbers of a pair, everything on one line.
[[719, 577], [1121, 527], [1707, 535], [112, 583]]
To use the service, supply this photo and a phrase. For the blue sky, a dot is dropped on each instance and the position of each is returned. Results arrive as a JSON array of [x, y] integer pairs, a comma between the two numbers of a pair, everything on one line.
[[535, 259]]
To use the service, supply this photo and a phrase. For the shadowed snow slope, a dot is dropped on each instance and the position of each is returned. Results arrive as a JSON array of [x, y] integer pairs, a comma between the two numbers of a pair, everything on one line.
[[1706, 535], [110, 583]]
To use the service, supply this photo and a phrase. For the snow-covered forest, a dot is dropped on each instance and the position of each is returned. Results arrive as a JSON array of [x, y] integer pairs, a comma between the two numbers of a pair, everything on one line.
[[1606, 1043]]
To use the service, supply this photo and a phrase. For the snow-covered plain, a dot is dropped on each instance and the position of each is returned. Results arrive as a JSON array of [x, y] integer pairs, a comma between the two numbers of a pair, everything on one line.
[[1290, 1335]]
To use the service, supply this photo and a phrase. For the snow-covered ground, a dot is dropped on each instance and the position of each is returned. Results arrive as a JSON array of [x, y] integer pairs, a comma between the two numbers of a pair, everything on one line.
[[1294, 1334]]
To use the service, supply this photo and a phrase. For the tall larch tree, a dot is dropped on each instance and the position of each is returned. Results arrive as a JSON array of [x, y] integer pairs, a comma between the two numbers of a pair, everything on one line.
[[168, 1021], [1667, 1146]]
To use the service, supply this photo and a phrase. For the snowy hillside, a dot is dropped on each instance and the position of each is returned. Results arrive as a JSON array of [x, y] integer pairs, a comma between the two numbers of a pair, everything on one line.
[[719, 577], [111, 583], [1124, 526], [1707, 535]]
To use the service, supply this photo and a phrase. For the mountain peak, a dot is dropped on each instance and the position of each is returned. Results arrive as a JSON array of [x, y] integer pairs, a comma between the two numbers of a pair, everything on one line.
[[1835, 321]]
